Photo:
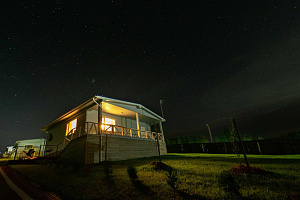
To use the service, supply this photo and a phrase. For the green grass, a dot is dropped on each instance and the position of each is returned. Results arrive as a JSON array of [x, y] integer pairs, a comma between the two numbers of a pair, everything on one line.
[[5, 159], [198, 176]]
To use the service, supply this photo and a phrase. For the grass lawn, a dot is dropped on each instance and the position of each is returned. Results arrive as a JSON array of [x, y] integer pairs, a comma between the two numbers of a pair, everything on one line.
[[198, 176], [5, 159]]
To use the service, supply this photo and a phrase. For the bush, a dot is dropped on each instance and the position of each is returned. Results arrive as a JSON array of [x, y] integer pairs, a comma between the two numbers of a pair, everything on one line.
[[228, 183], [172, 177], [132, 173]]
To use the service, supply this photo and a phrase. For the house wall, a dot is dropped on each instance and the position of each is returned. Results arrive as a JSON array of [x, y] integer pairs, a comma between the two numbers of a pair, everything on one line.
[[34, 142], [121, 148], [59, 131], [92, 116]]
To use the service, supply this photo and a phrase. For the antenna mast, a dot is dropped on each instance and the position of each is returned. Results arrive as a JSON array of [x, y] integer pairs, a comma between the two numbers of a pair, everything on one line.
[[162, 112]]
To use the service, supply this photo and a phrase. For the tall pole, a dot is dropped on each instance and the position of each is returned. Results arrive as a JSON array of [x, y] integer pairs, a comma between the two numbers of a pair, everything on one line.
[[211, 139], [99, 126], [237, 132], [162, 112]]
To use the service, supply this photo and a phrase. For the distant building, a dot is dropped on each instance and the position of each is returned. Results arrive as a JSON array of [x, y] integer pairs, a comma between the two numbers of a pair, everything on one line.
[[23, 146], [8, 152], [104, 128]]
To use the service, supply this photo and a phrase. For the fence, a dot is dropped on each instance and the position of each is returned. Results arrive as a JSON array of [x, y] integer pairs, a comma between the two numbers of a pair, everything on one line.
[[267, 147]]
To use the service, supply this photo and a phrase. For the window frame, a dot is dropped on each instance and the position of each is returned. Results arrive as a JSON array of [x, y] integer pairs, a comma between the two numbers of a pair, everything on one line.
[[70, 129]]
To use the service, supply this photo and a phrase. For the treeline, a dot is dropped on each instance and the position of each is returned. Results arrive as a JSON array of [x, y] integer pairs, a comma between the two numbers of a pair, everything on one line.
[[225, 136], [187, 139], [291, 135]]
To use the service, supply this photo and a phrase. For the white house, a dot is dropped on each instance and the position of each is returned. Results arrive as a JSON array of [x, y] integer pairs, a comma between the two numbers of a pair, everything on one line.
[[23, 146], [8, 152], [104, 128]]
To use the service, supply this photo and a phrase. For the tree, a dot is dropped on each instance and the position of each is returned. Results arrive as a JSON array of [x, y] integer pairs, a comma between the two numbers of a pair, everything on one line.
[[246, 137], [16, 145], [179, 140], [225, 136], [293, 135]]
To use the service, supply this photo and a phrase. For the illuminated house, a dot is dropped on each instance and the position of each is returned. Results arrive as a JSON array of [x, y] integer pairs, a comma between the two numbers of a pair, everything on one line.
[[124, 130]]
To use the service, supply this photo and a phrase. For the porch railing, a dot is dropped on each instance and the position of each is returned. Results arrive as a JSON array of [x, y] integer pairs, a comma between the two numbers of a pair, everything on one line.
[[92, 129]]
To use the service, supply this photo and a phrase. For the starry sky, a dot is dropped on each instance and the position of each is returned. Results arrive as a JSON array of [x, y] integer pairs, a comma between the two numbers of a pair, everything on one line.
[[207, 60]]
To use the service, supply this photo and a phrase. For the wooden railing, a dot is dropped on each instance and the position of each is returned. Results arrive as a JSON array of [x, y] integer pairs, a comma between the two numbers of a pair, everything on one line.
[[92, 129]]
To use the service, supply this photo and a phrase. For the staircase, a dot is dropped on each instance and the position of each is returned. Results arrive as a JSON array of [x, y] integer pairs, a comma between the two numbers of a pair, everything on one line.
[[74, 152]]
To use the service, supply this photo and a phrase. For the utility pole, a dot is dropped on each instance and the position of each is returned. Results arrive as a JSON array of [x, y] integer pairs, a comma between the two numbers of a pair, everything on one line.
[[211, 139], [162, 112]]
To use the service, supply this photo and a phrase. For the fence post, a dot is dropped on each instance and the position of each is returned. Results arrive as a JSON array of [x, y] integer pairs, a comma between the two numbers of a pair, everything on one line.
[[16, 153], [40, 150], [106, 147], [259, 148]]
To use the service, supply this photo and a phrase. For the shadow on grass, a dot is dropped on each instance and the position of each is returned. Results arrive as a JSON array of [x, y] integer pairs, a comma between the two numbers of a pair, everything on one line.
[[110, 182], [186, 195], [143, 189]]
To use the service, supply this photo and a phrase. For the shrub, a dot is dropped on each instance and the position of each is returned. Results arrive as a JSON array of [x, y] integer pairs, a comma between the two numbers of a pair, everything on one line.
[[172, 177], [132, 173]]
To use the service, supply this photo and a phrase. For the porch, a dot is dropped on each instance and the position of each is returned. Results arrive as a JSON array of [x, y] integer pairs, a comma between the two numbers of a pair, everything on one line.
[[91, 128]]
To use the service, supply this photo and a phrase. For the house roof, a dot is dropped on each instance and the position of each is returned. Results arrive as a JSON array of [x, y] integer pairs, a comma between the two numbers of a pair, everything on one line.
[[138, 108]]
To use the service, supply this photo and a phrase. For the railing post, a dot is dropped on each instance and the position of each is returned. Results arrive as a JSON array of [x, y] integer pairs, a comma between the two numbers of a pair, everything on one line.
[[122, 130], [16, 153], [158, 147], [113, 129], [40, 150], [130, 132]]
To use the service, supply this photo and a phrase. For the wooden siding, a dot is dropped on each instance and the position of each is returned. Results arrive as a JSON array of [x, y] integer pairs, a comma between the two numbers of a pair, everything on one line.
[[59, 131], [121, 148]]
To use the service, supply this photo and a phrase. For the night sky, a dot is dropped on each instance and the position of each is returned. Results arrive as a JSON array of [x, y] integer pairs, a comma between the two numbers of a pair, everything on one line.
[[208, 61]]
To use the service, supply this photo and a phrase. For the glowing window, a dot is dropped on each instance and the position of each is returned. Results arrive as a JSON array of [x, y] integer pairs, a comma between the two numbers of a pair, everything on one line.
[[107, 121], [71, 127]]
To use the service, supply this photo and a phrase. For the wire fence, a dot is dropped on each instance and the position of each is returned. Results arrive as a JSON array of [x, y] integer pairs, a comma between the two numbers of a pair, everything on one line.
[[266, 147]]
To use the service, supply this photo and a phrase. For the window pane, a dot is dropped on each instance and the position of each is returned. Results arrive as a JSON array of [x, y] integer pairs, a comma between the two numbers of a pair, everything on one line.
[[71, 126], [107, 122]]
